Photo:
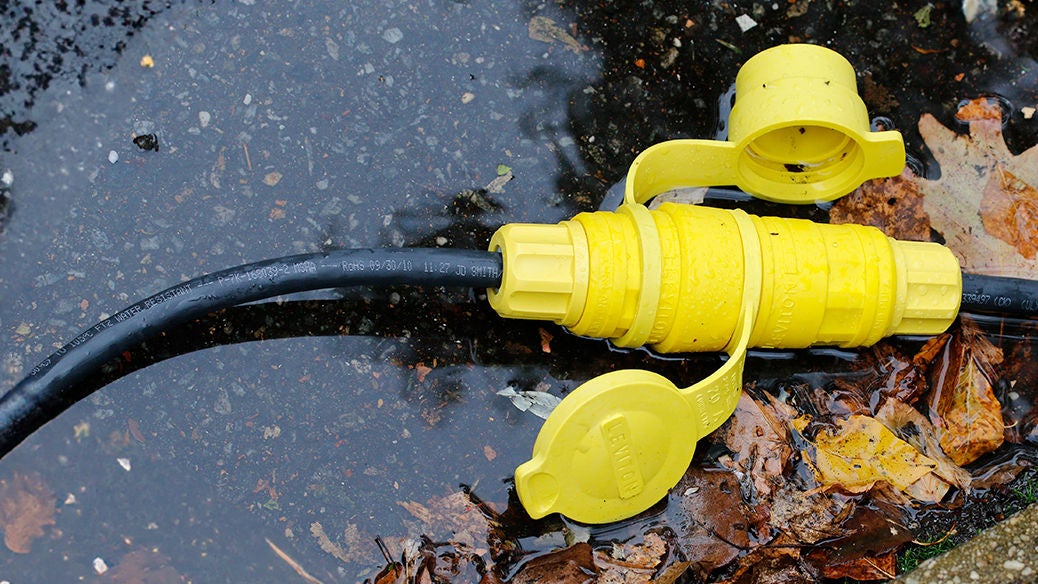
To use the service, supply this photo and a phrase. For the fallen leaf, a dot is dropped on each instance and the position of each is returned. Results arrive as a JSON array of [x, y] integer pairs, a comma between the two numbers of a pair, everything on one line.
[[963, 406], [572, 565], [546, 338], [144, 566], [421, 370], [859, 451], [868, 548], [983, 108], [759, 442], [712, 522], [355, 547], [778, 563], [454, 518], [538, 403], [974, 168], [497, 185], [544, 29], [883, 368], [1009, 211], [894, 205], [423, 561], [27, 505], [628, 563], [272, 178], [809, 517], [913, 427], [882, 567], [489, 453]]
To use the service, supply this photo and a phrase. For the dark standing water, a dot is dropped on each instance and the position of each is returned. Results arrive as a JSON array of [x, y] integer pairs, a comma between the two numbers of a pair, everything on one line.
[[290, 127]]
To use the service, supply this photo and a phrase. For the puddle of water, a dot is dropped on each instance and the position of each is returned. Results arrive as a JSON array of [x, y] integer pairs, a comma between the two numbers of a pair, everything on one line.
[[316, 125]]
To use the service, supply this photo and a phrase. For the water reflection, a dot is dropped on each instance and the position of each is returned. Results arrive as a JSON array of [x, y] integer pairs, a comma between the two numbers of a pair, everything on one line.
[[295, 128]]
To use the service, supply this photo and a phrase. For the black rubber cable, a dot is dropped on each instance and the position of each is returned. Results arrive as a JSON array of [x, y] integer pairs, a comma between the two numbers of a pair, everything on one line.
[[57, 382], [999, 295]]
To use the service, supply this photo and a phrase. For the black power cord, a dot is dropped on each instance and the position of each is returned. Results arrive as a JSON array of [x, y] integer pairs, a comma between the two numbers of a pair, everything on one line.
[[999, 296], [59, 381]]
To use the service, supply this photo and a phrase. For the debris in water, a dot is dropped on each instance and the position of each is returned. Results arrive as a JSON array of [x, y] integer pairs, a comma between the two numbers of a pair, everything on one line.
[[538, 403]]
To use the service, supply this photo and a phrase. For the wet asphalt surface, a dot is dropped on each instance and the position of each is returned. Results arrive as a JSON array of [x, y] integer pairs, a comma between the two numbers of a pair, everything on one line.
[[299, 126]]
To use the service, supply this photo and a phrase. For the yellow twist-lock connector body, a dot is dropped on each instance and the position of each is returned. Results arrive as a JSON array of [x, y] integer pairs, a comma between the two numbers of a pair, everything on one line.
[[845, 285], [688, 278]]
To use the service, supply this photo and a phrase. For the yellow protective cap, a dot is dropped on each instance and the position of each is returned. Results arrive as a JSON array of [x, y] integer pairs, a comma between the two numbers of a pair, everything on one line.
[[798, 133]]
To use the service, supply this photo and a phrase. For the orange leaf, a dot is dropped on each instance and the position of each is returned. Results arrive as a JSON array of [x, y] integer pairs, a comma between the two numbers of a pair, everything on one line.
[[963, 406], [27, 505], [976, 168], [983, 108], [1009, 211], [882, 567], [421, 370], [546, 338]]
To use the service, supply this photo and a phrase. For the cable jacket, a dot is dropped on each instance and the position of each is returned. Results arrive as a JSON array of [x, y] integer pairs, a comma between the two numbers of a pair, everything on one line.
[[58, 382], [999, 295]]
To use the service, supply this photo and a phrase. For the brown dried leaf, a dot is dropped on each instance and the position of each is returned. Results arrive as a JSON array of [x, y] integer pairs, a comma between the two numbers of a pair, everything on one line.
[[631, 563], [963, 406], [27, 505], [572, 565], [144, 566], [913, 427], [883, 368], [455, 518], [970, 166], [713, 524], [809, 517], [424, 562], [872, 539], [759, 442], [894, 205], [882, 567], [1009, 211], [544, 29], [778, 563], [355, 547]]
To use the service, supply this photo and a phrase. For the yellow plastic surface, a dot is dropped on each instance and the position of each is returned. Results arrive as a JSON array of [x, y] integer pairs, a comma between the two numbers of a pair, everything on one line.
[[798, 133], [687, 278], [620, 441]]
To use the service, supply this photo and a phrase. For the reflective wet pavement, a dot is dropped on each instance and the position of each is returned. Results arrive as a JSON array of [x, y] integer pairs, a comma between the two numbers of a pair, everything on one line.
[[301, 126]]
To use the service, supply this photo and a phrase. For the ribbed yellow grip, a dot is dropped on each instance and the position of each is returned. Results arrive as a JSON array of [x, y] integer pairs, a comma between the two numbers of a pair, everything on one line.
[[845, 285]]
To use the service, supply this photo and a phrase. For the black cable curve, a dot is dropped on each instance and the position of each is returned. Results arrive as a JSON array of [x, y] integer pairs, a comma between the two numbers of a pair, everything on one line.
[[57, 382], [999, 295]]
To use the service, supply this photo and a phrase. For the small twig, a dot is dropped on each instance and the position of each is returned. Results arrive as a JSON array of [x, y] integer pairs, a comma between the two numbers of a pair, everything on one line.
[[951, 531], [248, 161], [881, 571], [294, 564]]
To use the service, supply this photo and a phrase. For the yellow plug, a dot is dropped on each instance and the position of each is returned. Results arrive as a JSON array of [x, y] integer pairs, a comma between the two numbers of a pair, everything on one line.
[[686, 278]]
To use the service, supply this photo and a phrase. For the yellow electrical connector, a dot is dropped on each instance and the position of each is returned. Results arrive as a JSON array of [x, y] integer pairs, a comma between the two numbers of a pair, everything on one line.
[[686, 278]]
